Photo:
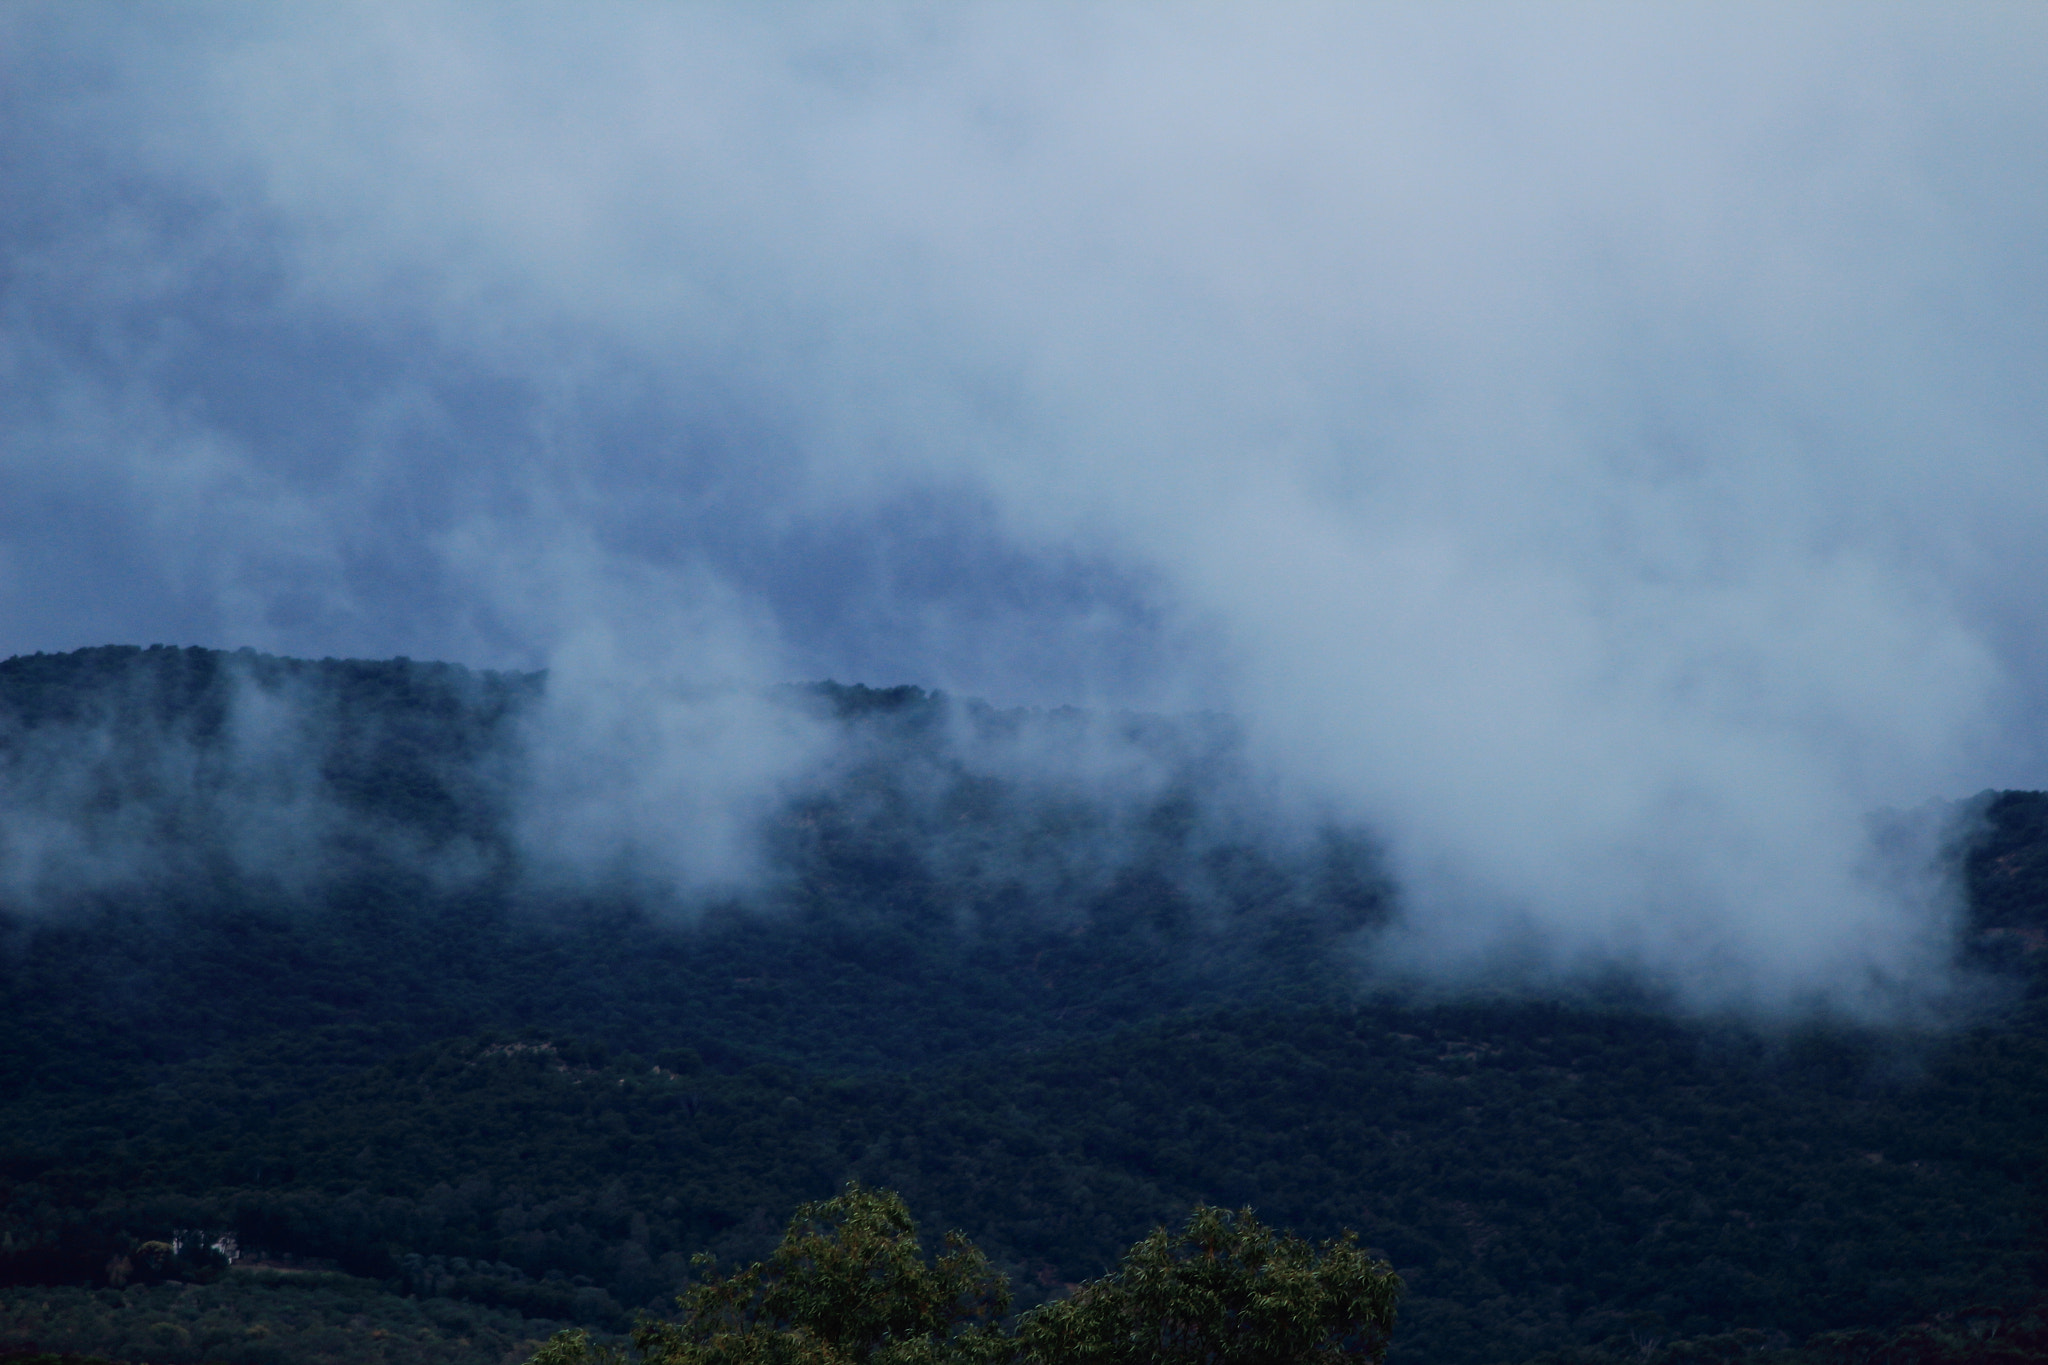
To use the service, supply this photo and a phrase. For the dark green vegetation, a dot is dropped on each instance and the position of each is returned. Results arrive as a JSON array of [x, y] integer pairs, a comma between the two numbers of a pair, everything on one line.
[[850, 1284], [263, 1317], [274, 964], [1224, 1290]]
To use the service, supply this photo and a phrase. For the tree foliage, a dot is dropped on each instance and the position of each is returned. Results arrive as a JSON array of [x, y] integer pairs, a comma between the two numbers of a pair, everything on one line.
[[1225, 1290], [849, 1285]]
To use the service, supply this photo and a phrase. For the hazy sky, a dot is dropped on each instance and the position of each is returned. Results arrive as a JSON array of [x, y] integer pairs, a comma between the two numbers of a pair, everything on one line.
[[1605, 447]]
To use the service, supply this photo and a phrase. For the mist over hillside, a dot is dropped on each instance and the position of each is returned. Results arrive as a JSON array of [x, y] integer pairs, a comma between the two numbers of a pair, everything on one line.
[[1434, 623], [392, 970], [186, 781], [921, 844], [1599, 452]]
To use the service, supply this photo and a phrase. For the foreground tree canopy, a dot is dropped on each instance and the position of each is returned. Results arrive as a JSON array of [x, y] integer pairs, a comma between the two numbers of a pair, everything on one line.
[[850, 1285], [1225, 1290]]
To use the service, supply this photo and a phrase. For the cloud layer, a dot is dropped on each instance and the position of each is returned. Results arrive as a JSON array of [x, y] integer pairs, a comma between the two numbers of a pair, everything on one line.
[[1602, 448]]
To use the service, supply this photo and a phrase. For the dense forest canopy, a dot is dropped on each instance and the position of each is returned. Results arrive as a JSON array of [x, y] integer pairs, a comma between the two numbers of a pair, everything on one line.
[[311, 1022]]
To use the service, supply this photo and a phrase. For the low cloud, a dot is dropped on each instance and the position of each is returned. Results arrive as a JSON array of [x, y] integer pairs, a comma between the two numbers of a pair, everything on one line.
[[130, 774], [1596, 449]]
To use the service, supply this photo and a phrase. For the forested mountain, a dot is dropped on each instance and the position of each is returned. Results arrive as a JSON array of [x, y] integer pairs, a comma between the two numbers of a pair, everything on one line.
[[287, 959], [200, 826]]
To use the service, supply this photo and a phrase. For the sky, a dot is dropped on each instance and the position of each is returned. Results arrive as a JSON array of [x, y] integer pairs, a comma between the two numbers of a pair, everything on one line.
[[1603, 448]]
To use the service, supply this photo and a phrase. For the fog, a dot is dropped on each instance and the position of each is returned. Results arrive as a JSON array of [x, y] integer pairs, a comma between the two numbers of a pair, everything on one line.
[[1598, 448]]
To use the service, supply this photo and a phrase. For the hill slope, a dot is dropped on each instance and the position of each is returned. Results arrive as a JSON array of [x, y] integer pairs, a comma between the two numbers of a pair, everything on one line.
[[376, 1037]]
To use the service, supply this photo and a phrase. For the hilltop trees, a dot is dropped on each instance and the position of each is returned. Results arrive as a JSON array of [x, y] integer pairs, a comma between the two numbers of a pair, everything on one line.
[[849, 1285], [1225, 1290]]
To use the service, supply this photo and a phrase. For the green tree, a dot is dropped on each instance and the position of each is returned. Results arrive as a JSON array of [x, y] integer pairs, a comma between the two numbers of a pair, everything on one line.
[[1225, 1290], [849, 1285]]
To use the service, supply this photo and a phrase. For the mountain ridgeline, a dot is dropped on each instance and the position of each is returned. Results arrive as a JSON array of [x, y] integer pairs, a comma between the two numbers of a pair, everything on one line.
[[324, 1039], [239, 844]]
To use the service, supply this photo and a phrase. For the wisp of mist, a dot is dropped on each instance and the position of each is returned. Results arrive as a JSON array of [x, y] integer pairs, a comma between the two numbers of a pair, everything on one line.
[[1598, 449]]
